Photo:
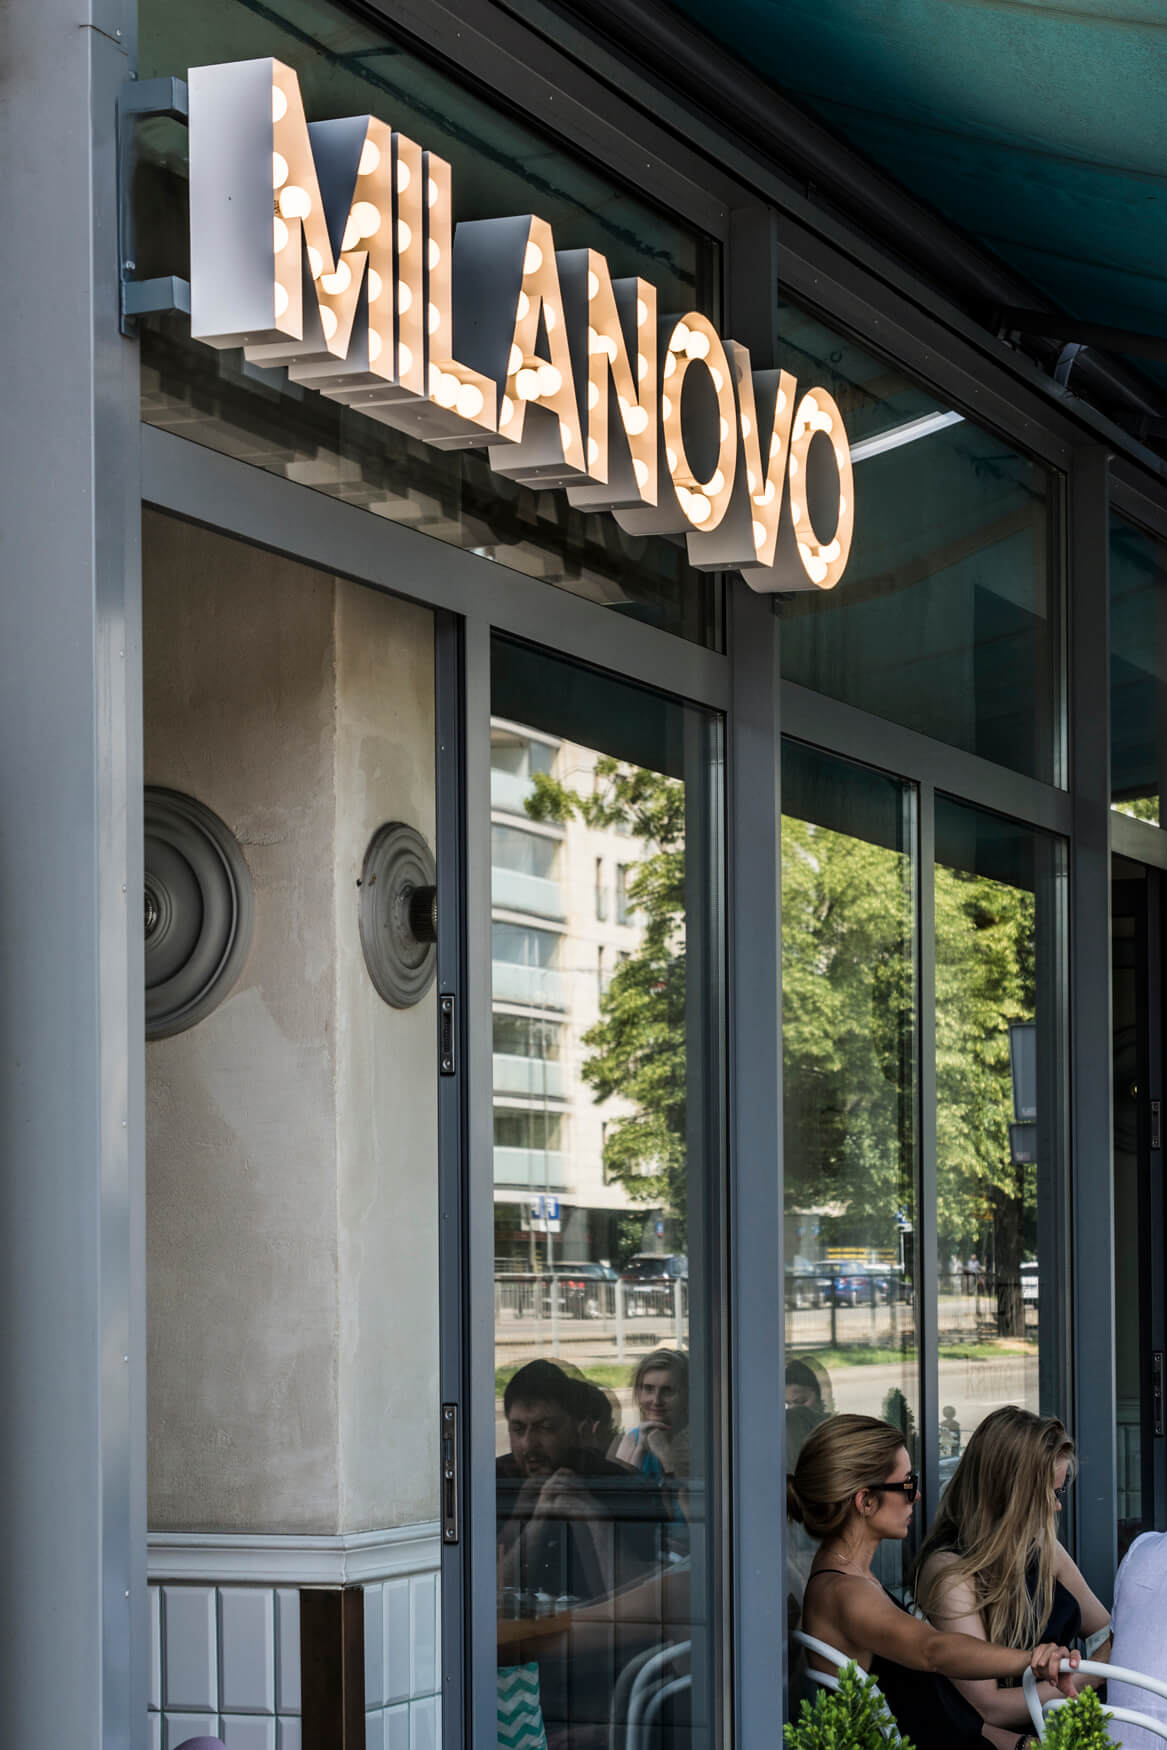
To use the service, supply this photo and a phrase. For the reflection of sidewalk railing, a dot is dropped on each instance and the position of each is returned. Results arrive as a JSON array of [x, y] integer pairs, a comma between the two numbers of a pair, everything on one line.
[[544, 1310]]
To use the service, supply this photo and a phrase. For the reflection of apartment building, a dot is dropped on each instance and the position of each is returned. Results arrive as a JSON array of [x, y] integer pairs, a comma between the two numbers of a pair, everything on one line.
[[561, 926]]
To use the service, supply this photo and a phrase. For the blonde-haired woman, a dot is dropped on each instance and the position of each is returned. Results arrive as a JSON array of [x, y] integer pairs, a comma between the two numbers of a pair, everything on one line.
[[992, 1566], [852, 1487]]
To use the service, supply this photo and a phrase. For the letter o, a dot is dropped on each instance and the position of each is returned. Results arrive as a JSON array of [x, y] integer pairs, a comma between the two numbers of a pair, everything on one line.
[[694, 340], [823, 561]]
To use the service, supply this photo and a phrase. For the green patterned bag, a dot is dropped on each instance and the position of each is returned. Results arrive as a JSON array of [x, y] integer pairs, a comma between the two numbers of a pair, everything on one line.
[[520, 1717]]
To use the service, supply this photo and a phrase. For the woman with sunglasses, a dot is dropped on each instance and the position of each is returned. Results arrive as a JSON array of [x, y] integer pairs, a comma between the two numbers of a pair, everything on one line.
[[853, 1486], [992, 1566]]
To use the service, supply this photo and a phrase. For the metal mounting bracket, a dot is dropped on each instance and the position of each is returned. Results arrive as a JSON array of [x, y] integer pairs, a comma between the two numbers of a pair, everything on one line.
[[141, 98]]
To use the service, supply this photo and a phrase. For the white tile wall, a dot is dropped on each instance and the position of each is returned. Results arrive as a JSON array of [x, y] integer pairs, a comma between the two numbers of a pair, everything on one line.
[[402, 1663], [225, 1663]]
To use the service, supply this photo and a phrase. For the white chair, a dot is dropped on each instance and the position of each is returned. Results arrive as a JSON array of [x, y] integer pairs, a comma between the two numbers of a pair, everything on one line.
[[833, 1657], [1038, 1712], [635, 1703]]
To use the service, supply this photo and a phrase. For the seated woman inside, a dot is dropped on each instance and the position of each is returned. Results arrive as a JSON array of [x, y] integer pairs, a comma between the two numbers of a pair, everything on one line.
[[852, 1487], [992, 1567]]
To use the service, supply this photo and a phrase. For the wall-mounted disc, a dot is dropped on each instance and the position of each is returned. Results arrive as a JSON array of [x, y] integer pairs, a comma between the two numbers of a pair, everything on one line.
[[398, 916], [199, 911]]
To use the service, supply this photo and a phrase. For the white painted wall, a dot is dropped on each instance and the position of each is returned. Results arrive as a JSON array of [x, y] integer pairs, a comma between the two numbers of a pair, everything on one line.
[[291, 1136]]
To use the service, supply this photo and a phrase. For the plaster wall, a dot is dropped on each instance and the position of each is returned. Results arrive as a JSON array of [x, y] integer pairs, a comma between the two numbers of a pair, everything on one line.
[[291, 1136]]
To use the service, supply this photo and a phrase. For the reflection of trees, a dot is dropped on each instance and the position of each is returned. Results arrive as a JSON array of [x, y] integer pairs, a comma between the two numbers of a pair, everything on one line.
[[847, 1019], [985, 978], [848, 1031]]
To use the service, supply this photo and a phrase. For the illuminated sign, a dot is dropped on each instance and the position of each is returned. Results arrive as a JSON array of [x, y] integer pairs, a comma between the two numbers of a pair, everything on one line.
[[329, 248]]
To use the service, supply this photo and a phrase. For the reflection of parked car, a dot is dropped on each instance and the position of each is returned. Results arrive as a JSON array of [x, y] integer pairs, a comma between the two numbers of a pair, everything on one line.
[[649, 1278], [581, 1295], [807, 1285]]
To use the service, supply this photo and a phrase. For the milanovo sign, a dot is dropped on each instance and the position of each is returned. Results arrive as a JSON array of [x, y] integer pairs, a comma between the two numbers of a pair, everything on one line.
[[329, 247]]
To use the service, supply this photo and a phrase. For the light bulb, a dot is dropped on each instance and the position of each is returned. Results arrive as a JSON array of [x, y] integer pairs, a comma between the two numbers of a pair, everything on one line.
[[793, 466], [279, 104], [759, 530], [723, 428], [515, 360], [593, 452], [636, 421], [831, 551], [294, 202], [670, 364], [549, 317], [281, 298], [506, 411], [404, 236], [842, 505], [671, 459], [809, 408], [370, 158], [640, 469], [471, 400], [432, 191], [315, 262], [641, 367], [433, 319], [699, 507], [328, 321], [532, 258], [776, 441], [641, 312], [718, 379], [666, 407], [716, 482], [447, 390], [402, 176], [593, 285], [351, 235], [566, 435], [522, 307], [376, 346], [679, 338], [368, 218], [435, 379], [279, 170], [550, 380], [751, 481], [433, 253], [376, 285], [279, 233], [768, 493], [796, 514], [404, 359], [593, 396], [780, 404], [746, 424], [526, 384], [340, 281], [697, 345], [404, 295]]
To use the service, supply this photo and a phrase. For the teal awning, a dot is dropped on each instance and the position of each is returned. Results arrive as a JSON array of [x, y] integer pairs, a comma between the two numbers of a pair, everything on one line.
[[1038, 128]]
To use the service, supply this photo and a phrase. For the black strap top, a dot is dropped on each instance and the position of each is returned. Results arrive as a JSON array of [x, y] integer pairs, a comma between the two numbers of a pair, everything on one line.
[[928, 1709]]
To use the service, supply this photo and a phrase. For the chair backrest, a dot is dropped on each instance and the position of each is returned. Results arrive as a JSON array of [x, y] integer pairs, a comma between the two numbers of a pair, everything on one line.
[[1039, 1712], [833, 1657], [202, 1744], [643, 1703]]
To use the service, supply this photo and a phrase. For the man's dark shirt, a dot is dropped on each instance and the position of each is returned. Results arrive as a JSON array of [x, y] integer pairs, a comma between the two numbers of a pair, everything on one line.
[[618, 1538]]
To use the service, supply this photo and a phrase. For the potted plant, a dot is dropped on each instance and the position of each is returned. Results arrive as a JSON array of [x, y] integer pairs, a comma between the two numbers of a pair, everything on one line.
[[1079, 1725], [853, 1717]]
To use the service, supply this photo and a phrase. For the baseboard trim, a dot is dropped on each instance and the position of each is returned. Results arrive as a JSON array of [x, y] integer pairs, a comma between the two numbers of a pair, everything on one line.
[[263, 1559]]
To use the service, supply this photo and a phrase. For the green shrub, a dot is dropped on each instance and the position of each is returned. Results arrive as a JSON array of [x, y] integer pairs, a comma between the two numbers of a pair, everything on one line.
[[852, 1717], [1079, 1725]]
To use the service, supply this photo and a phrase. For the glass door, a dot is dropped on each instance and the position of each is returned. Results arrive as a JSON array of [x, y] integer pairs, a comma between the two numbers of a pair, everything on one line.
[[1139, 1216], [608, 1186]]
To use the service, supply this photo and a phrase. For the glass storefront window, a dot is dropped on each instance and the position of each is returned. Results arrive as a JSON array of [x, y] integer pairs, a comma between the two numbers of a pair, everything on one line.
[[608, 1179], [1000, 1123], [500, 166], [1138, 669], [948, 618], [849, 1091]]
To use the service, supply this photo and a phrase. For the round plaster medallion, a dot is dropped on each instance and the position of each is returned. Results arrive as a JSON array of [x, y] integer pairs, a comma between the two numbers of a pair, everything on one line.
[[199, 908], [398, 914]]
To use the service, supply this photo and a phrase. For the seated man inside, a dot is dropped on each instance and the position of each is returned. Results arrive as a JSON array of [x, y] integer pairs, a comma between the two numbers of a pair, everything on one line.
[[573, 1525]]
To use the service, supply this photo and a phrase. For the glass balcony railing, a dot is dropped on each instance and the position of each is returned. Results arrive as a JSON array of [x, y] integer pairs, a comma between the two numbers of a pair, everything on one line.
[[527, 893], [534, 1077], [509, 791], [532, 1169], [539, 987]]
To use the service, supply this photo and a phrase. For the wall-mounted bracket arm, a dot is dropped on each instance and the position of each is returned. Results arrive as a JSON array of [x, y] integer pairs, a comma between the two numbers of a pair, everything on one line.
[[142, 98]]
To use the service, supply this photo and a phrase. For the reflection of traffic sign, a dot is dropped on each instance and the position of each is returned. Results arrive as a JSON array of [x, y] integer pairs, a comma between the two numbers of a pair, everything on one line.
[[1023, 1068], [541, 1216]]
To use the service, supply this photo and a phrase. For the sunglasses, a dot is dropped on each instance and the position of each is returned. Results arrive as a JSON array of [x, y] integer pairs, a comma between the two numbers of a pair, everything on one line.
[[1060, 1494], [910, 1486]]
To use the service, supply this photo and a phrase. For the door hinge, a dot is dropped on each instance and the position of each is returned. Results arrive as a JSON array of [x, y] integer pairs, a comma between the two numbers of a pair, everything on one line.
[[448, 1446], [447, 1060]]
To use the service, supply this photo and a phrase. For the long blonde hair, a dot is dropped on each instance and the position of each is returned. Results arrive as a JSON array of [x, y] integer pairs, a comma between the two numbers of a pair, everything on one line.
[[842, 1456], [997, 1518]]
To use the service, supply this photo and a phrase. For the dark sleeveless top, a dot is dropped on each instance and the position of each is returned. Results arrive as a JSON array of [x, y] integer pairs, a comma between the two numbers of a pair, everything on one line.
[[1064, 1623], [927, 1708]]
